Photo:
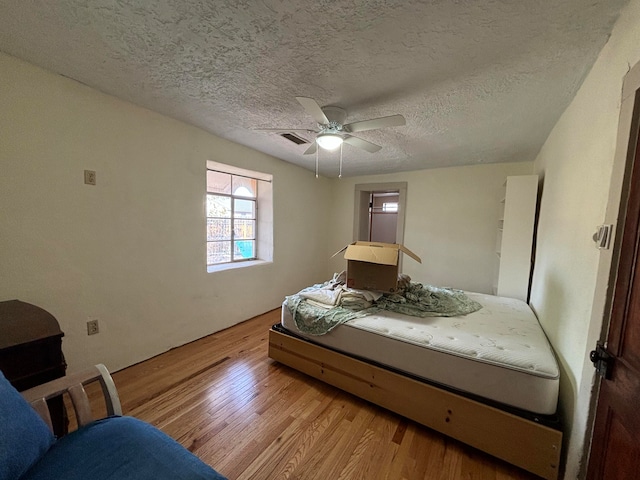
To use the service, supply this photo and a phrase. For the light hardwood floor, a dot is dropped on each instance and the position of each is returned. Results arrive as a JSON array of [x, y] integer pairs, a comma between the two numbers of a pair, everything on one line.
[[252, 418]]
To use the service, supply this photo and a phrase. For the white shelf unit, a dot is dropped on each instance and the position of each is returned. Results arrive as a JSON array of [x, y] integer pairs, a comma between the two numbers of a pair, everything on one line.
[[514, 244]]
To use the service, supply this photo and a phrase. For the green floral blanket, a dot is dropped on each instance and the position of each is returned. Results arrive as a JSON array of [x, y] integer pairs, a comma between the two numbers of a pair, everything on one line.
[[414, 299]]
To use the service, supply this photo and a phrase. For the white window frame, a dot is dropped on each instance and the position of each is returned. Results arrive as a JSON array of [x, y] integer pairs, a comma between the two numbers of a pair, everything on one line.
[[264, 217]]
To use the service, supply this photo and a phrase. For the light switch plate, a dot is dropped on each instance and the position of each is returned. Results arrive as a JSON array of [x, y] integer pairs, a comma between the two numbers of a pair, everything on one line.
[[602, 237]]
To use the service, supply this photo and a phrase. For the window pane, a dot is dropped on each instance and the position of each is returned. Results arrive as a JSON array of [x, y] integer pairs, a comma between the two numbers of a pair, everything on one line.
[[244, 187], [244, 208], [218, 206], [218, 229], [244, 249], [390, 207], [218, 182], [244, 229], [218, 252]]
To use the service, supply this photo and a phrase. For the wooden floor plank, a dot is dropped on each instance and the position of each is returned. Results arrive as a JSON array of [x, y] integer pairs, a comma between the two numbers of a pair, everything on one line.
[[252, 418]]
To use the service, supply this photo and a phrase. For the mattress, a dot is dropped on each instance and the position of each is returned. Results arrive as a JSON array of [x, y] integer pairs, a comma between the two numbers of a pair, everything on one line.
[[499, 353]]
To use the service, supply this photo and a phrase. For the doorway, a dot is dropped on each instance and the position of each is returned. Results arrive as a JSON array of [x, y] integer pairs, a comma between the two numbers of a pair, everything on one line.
[[383, 216], [379, 212]]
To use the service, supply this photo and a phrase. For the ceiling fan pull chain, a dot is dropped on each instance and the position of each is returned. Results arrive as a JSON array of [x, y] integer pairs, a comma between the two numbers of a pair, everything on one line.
[[340, 174], [317, 150]]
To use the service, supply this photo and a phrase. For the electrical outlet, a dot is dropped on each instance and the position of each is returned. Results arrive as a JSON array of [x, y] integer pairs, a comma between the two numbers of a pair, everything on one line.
[[90, 177], [92, 327]]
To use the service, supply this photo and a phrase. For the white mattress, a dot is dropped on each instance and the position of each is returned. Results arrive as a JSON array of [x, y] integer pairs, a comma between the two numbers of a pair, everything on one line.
[[499, 352]]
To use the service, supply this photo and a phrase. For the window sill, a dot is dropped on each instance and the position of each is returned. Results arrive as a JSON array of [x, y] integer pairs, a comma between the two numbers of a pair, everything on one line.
[[232, 266]]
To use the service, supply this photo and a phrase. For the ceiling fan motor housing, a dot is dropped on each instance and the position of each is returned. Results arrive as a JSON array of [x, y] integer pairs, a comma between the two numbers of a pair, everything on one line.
[[335, 115]]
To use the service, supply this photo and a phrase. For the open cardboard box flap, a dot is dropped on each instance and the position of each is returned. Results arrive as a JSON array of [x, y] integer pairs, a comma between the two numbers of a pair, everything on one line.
[[376, 252]]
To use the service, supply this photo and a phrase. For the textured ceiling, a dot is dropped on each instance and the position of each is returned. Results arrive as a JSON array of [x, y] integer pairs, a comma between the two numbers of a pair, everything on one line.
[[478, 81]]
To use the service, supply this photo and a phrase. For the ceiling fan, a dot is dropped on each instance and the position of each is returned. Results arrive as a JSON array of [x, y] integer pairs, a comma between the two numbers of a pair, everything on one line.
[[333, 132]]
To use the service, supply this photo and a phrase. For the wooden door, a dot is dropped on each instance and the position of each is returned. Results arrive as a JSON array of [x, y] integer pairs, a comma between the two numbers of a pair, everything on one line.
[[615, 450]]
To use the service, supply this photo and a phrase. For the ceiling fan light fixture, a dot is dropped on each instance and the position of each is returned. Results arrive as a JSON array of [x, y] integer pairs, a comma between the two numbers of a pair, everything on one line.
[[329, 141]]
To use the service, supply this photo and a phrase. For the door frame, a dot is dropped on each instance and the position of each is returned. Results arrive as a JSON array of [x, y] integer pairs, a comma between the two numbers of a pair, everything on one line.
[[361, 206], [607, 274]]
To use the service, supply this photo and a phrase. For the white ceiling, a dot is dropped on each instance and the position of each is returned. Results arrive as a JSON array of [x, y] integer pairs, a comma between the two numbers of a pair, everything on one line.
[[478, 81]]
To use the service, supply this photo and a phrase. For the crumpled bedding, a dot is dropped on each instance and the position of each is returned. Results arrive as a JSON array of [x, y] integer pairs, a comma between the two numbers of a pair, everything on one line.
[[335, 293], [428, 301], [318, 309], [317, 320]]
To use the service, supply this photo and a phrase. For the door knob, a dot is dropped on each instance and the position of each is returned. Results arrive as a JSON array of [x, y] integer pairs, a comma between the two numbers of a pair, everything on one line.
[[602, 360]]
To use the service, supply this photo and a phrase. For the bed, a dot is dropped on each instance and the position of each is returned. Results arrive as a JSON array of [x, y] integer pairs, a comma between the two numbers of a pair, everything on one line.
[[489, 378]]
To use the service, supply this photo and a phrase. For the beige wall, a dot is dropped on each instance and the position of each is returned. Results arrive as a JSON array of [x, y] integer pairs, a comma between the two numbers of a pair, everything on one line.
[[130, 251], [577, 164], [451, 222]]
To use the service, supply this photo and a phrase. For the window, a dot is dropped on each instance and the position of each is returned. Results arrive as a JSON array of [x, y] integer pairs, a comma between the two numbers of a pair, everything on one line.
[[390, 207], [233, 215]]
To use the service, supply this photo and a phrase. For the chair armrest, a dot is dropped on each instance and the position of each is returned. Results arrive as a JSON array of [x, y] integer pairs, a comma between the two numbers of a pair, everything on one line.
[[74, 385]]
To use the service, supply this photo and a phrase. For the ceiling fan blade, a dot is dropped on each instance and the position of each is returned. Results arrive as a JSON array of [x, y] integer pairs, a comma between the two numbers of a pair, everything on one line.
[[313, 109], [308, 130], [363, 144], [375, 123], [312, 148]]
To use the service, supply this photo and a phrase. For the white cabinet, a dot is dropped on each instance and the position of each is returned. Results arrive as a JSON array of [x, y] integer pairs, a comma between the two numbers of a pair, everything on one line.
[[514, 243]]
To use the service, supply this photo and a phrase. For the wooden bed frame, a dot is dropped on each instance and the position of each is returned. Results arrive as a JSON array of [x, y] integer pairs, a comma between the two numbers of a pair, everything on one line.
[[517, 440]]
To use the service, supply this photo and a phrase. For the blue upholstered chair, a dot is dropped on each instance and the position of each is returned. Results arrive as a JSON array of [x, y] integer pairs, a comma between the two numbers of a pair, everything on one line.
[[115, 447]]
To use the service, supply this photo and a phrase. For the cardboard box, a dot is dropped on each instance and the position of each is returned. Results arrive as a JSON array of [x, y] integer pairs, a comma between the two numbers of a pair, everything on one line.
[[374, 265]]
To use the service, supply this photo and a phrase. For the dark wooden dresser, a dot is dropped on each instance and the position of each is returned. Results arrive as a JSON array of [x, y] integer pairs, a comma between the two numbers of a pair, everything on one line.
[[31, 352]]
